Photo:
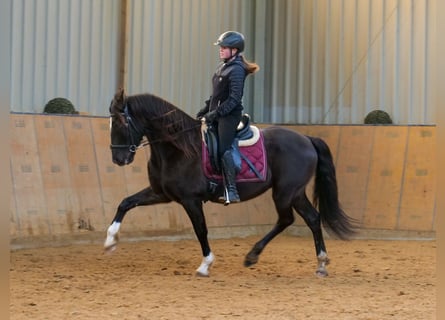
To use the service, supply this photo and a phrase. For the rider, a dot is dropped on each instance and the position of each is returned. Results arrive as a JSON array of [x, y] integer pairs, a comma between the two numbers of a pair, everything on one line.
[[224, 107]]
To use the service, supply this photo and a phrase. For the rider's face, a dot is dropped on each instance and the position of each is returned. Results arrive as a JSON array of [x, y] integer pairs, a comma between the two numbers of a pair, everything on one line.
[[226, 52]]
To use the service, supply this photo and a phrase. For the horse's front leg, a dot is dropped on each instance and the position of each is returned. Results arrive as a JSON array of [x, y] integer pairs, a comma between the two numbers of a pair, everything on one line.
[[196, 215], [142, 198]]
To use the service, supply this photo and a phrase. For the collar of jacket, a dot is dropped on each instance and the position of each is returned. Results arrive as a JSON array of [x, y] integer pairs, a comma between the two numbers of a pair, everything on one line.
[[232, 59]]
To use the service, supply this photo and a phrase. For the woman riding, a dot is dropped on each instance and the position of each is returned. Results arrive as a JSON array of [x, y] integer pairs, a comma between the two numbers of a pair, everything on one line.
[[224, 107]]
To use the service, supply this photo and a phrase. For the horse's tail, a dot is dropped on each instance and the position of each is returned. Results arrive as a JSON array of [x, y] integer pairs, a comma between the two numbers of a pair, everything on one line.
[[326, 193]]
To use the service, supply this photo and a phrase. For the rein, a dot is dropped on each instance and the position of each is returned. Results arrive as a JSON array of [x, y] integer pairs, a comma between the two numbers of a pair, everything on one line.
[[132, 147]]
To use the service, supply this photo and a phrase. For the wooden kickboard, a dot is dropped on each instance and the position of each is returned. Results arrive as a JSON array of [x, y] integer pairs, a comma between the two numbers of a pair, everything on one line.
[[31, 217], [64, 181], [61, 198], [418, 192], [353, 161], [385, 177], [84, 176]]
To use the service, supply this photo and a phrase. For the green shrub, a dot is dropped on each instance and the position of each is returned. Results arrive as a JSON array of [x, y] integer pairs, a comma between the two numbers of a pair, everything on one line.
[[378, 117], [61, 106]]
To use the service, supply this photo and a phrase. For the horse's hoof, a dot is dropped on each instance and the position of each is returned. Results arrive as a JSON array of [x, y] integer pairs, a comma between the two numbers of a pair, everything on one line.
[[207, 262], [111, 243], [322, 273], [250, 260], [248, 264], [110, 249], [202, 274], [202, 271]]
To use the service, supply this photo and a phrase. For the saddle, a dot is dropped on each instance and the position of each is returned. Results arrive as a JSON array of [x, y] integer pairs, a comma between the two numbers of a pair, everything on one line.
[[247, 136]]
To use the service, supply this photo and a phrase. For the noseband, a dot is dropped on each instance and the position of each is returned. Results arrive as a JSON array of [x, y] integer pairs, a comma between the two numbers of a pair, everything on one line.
[[131, 130]]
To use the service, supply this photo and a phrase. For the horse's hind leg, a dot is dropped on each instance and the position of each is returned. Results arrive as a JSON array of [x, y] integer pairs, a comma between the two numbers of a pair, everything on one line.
[[142, 198], [285, 219], [312, 218]]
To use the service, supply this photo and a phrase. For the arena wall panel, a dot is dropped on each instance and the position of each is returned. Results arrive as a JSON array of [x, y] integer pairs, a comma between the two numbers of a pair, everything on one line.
[[85, 180], [417, 201], [353, 163], [385, 177], [66, 186], [30, 214], [60, 194]]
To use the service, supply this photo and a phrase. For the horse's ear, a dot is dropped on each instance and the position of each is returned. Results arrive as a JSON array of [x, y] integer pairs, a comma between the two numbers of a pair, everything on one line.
[[120, 94]]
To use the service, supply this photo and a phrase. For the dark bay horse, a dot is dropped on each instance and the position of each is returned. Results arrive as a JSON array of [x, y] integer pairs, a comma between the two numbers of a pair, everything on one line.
[[176, 174]]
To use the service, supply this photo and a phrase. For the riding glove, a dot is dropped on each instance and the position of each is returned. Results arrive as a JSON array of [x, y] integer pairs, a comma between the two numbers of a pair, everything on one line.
[[201, 113], [211, 116], [204, 110]]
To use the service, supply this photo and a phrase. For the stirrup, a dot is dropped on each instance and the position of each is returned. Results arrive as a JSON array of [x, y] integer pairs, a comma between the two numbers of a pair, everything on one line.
[[227, 202], [222, 199], [225, 198]]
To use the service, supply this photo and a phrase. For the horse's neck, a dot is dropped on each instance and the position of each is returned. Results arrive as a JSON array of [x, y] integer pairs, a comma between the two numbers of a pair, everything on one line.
[[169, 152]]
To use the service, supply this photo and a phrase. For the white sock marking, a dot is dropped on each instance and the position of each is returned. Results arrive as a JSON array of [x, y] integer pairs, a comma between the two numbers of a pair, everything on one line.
[[203, 269], [113, 230]]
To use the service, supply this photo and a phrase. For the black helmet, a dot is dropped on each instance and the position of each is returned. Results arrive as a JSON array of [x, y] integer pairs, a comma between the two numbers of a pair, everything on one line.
[[231, 39]]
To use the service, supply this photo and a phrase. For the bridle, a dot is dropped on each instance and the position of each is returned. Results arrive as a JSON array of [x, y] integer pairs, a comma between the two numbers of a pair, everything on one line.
[[132, 129]]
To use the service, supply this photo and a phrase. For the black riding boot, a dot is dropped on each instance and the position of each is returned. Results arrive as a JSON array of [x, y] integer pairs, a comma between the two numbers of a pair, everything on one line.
[[229, 172]]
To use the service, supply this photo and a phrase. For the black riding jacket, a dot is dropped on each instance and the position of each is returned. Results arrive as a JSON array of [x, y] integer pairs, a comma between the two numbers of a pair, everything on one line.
[[228, 87]]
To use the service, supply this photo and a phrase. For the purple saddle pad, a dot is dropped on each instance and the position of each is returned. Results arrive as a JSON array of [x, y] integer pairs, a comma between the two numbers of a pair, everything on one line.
[[256, 155]]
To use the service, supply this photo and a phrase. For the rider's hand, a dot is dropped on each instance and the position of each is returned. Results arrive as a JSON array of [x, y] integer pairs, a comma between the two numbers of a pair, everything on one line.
[[211, 116], [200, 114], [203, 110]]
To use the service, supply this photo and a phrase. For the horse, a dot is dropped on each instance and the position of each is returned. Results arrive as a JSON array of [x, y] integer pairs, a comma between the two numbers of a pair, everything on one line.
[[176, 174]]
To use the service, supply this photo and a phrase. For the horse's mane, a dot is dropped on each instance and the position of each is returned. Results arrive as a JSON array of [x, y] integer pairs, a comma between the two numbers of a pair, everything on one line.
[[164, 122]]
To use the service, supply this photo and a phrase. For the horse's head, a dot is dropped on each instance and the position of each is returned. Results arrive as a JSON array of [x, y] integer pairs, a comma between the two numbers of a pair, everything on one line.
[[125, 137]]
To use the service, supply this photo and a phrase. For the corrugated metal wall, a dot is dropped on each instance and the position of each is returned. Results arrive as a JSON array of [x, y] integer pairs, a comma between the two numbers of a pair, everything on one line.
[[64, 48], [322, 61], [170, 46], [333, 61]]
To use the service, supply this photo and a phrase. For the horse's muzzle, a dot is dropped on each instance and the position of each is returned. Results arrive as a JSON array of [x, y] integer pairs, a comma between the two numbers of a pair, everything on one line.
[[122, 158]]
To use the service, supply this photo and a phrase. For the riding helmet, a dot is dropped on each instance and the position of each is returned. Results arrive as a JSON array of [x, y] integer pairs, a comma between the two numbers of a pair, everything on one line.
[[231, 39]]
